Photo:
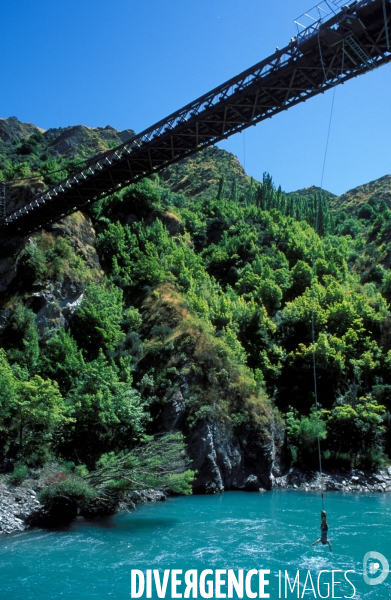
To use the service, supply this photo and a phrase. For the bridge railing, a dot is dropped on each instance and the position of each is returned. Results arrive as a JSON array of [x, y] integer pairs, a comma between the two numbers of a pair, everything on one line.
[[309, 22], [286, 68], [186, 114]]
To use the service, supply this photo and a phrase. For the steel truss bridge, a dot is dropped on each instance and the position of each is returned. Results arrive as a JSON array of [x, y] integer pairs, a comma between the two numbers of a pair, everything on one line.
[[334, 44]]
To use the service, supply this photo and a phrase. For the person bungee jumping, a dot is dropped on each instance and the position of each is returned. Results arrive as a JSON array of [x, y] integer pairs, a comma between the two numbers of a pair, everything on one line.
[[324, 527]]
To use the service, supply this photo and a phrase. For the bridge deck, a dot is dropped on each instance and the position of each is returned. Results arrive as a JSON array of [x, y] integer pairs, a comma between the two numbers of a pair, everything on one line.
[[353, 41]]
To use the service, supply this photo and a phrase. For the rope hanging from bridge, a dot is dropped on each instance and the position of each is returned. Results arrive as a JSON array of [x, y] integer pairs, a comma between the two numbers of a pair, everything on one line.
[[312, 289], [327, 146], [314, 361], [313, 306]]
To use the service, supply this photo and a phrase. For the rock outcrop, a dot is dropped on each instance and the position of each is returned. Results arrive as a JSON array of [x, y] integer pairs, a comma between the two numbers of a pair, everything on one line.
[[55, 304], [234, 460], [52, 297], [239, 442], [18, 505], [340, 480], [12, 129], [69, 141]]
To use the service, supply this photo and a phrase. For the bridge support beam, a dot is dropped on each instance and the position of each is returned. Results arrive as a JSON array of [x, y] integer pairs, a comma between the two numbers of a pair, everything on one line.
[[333, 49], [386, 24]]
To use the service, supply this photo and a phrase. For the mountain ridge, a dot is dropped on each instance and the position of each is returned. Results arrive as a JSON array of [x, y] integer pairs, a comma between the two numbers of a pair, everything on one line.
[[187, 175]]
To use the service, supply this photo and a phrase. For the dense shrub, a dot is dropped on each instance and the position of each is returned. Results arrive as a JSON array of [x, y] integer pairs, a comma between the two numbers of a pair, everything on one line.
[[19, 474], [64, 500]]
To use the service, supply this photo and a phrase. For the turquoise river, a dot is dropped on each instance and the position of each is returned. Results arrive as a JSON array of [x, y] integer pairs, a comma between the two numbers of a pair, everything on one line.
[[235, 530]]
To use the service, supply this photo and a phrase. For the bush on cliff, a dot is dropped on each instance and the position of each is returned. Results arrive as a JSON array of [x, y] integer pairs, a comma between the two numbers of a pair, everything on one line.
[[65, 499]]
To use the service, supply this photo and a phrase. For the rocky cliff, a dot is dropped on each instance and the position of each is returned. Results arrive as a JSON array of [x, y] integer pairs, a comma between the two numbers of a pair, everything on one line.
[[203, 389], [183, 303]]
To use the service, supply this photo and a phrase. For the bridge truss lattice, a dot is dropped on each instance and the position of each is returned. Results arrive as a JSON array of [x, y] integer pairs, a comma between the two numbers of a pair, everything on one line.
[[345, 42]]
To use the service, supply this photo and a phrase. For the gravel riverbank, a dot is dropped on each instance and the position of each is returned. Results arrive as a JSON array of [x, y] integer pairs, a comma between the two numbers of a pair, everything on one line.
[[18, 505], [340, 480], [21, 509]]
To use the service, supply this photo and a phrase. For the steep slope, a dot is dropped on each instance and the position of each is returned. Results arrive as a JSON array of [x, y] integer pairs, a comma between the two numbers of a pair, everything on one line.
[[234, 436], [211, 172], [189, 379], [13, 130], [312, 190], [373, 193], [185, 302], [32, 159], [84, 141], [364, 214], [27, 151]]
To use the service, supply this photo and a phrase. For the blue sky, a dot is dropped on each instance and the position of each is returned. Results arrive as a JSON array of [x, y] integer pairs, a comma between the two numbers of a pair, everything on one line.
[[129, 63]]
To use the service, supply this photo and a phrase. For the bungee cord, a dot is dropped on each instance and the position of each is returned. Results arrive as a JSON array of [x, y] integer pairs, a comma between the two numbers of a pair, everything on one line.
[[313, 306], [313, 281], [314, 358]]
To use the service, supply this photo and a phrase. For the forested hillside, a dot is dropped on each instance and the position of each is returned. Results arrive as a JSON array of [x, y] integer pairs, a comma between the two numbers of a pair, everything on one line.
[[185, 303]]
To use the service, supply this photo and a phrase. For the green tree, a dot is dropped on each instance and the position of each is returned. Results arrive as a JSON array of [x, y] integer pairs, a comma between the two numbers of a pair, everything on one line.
[[8, 392], [155, 463], [301, 278], [107, 411], [20, 338], [31, 263], [160, 463], [62, 361], [96, 323], [302, 435], [357, 429], [39, 415]]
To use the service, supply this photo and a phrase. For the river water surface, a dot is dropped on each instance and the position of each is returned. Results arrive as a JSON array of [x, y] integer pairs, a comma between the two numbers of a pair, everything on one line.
[[235, 530]]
